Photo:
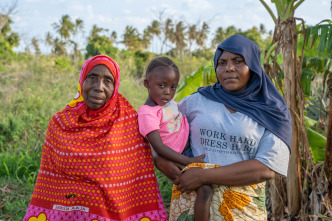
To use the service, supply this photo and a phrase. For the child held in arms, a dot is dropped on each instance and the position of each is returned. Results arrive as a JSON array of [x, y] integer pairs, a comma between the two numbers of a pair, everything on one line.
[[165, 127]]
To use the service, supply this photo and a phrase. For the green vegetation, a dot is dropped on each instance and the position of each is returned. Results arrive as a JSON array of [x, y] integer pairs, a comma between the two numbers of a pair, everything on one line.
[[34, 86]]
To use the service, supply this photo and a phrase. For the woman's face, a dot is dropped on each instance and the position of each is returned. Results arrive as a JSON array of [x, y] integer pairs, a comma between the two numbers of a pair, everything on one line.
[[98, 87], [232, 71]]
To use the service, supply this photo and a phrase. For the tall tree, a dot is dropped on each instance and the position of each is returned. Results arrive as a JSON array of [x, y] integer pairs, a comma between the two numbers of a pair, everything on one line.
[[114, 36], [59, 47], [65, 27], [34, 42], [78, 27], [192, 36], [202, 35], [96, 31], [178, 37], [167, 30], [219, 36], [151, 31], [6, 34], [131, 38], [6, 12], [147, 38]]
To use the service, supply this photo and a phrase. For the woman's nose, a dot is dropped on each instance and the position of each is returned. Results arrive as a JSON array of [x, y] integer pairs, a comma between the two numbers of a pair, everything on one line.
[[230, 66], [99, 86]]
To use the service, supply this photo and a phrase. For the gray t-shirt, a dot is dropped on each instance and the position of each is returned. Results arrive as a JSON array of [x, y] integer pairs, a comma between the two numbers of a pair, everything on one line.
[[228, 138]]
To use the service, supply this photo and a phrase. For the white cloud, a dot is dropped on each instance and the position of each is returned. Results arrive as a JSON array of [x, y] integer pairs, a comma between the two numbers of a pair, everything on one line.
[[137, 22], [127, 12], [32, 1], [198, 5]]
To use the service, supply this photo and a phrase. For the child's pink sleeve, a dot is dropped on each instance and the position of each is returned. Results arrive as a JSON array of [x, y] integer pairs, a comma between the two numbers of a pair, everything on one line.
[[148, 120]]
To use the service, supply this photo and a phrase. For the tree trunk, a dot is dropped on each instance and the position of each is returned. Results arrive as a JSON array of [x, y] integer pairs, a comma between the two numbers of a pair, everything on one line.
[[328, 153], [288, 43], [285, 35], [278, 198]]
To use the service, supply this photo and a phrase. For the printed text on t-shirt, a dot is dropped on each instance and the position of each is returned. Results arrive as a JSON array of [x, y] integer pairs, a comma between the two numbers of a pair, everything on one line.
[[211, 138]]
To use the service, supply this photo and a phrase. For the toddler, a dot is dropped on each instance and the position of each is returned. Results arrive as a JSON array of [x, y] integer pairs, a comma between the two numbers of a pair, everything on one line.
[[165, 127]]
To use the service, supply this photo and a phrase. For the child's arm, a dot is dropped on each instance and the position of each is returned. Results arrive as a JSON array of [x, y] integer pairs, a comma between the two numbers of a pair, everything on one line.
[[166, 152]]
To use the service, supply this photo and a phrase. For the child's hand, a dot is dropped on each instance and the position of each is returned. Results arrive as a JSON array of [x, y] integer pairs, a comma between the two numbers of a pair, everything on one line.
[[197, 159]]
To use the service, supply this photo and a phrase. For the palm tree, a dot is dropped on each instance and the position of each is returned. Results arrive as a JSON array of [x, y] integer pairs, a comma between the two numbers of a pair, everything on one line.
[[59, 47], [202, 35], [262, 29], [147, 37], [192, 37], [152, 30], [167, 30], [114, 36], [34, 42], [131, 38], [95, 32], [178, 37], [78, 27], [219, 37], [222, 34], [65, 27]]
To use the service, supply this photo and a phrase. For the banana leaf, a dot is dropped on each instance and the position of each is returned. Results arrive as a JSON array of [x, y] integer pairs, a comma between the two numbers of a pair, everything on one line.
[[205, 75]]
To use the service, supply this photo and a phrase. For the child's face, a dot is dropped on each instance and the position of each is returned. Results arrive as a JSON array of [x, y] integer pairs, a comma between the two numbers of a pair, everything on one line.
[[162, 84]]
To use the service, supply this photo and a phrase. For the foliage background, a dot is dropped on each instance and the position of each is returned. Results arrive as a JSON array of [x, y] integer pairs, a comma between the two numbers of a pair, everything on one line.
[[34, 86]]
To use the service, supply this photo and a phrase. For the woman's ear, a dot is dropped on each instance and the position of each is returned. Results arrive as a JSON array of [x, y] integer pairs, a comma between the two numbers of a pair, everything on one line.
[[146, 83]]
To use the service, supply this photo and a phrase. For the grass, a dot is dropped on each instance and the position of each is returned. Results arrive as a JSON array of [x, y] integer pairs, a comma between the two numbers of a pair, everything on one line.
[[15, 197]]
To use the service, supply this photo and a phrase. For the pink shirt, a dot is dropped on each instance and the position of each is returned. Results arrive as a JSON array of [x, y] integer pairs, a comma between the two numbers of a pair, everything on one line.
[[173, 127]]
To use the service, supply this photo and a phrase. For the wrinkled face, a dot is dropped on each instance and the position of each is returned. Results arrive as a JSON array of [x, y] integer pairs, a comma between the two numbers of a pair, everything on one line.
[[232, 72], [98, 87], [162, 83]]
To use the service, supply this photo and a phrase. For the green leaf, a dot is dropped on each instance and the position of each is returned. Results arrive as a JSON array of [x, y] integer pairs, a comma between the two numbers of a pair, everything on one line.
[[306, 80], [205, 75], [317, 143], [324, 217], [184, 217], [309, 122], [323, 35], [190, 85], [209, 75]]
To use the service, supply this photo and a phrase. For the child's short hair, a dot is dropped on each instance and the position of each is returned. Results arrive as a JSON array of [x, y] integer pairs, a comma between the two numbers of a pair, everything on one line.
[[161, 62]]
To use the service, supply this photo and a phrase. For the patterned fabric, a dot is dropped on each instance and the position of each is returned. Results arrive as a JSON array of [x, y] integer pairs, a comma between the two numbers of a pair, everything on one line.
[[95, 165], [228, 203]]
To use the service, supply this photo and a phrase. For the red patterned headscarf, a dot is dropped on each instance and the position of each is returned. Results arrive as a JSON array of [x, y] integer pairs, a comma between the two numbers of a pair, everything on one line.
[[95, 164]]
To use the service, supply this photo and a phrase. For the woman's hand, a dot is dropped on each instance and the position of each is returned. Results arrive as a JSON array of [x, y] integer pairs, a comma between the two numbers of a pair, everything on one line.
[[170, 169], [190, 180]]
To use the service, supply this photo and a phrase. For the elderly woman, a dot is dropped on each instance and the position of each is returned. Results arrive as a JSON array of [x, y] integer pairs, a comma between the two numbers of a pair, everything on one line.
[[243, 126], [95, 165]]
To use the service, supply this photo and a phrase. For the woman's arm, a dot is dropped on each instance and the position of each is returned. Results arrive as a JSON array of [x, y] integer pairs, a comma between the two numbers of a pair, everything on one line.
[[238, 174], [168, 153], [170, 169]]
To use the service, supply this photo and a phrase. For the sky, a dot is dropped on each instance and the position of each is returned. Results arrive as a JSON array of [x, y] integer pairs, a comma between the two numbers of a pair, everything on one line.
[[34, 18]]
